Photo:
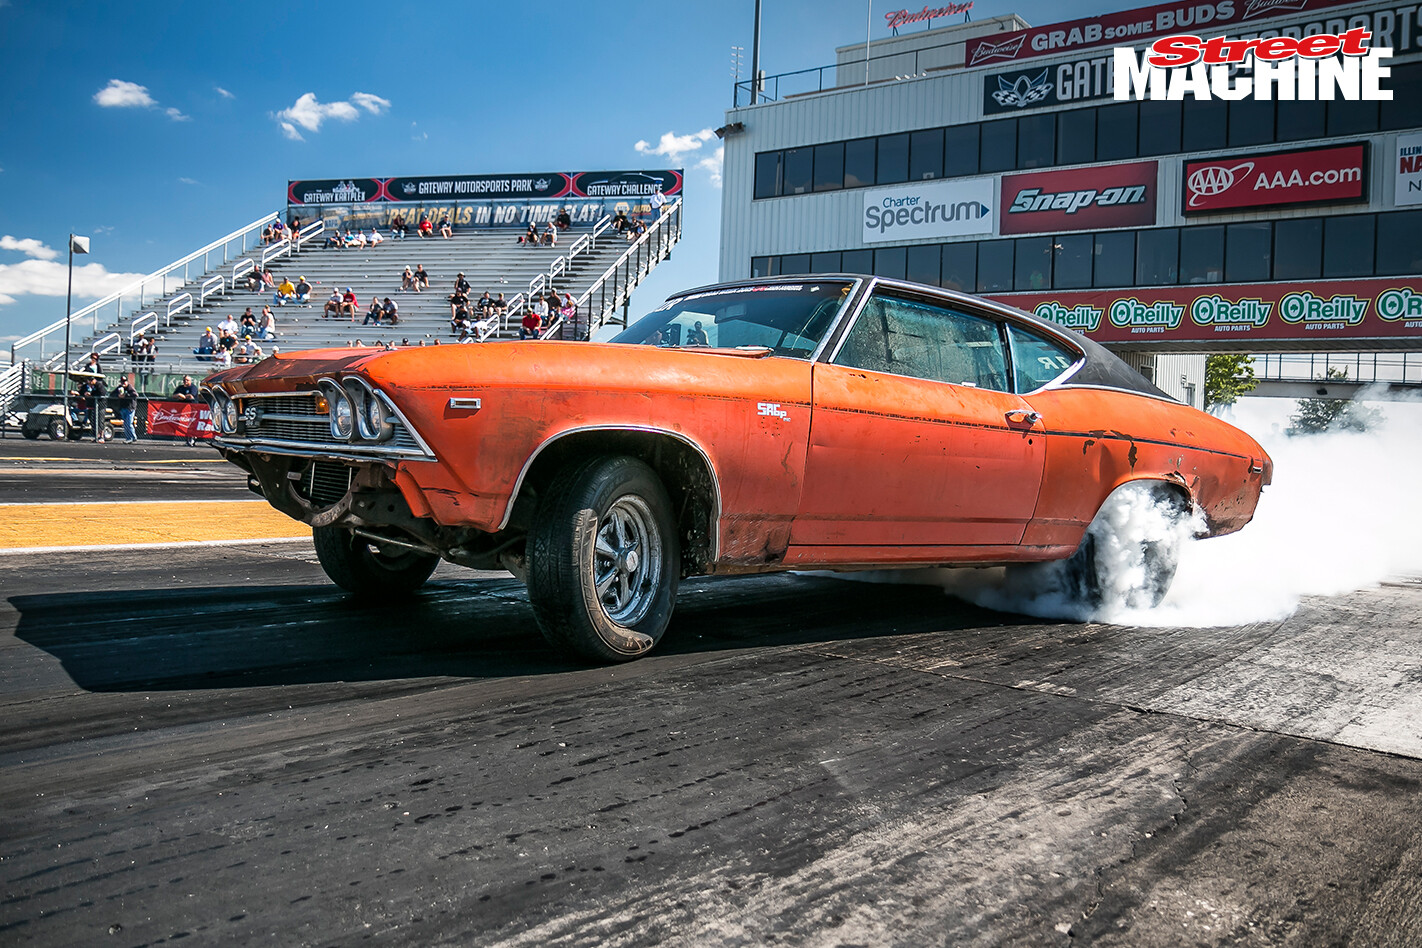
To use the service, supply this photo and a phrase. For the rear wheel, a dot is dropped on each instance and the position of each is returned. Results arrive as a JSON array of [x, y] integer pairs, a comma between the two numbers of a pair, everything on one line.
[[604, 560], [31, 434], [368, 568], [1131, 550]]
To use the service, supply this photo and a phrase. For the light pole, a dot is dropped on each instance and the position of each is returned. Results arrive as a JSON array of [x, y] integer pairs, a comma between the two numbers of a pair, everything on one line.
[[76, 245]]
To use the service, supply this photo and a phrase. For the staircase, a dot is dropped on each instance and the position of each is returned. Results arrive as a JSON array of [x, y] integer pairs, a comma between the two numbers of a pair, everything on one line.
[[596, 265]]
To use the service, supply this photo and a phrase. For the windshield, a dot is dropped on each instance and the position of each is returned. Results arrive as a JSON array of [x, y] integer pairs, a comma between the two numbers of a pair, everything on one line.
[[787, 318]]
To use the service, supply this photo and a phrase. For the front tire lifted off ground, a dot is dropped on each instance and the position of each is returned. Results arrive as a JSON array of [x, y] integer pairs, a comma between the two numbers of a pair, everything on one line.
[[367, 569], [604, 560]]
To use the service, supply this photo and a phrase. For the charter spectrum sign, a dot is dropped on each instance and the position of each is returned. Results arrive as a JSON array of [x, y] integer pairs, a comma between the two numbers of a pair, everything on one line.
[[917, 211], [1243, 313]]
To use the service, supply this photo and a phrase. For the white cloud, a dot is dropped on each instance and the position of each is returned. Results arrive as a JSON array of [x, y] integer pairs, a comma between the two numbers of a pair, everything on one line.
[[187, 181], [49, 278], [124, 95], [673, 146], [224, 93], [712, 164], [177, 116], [309, 113], [28, 246]]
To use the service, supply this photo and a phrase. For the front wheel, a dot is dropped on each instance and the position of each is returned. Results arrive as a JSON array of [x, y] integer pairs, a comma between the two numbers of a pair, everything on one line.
[[604, 560], [58, 430], [368, 568]]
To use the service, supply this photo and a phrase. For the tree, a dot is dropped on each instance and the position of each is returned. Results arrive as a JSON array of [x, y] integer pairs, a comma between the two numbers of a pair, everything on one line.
[[1227, 377], [1316, 415]]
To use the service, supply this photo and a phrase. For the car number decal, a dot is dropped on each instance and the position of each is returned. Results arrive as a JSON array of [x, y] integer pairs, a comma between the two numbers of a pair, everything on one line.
[[772, 408]]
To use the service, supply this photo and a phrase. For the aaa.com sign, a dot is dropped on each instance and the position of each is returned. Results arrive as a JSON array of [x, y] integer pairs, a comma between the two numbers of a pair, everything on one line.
[[1079, 199], [1309, 176]]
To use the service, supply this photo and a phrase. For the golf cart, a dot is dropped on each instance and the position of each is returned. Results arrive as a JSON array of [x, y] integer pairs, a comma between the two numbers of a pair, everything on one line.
[[49, 419]]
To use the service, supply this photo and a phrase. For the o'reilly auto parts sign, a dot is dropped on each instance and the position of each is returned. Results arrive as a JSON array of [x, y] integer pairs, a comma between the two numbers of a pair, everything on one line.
[[927, 209]]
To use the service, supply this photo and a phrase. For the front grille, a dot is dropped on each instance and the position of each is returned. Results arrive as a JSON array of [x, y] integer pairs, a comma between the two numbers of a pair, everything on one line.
[[324, 482], [297, 421]]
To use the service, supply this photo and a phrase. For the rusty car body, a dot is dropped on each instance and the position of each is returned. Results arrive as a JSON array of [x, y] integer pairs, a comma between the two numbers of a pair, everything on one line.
[[837, 422]]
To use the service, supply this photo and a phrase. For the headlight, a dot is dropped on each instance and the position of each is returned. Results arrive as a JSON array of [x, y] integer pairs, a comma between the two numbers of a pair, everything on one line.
[[224, 410], [342, 416], [374, 418], [229, 415]]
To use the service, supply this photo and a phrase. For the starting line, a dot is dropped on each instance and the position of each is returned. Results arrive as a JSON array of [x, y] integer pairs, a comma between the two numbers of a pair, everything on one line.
[[35, 528]]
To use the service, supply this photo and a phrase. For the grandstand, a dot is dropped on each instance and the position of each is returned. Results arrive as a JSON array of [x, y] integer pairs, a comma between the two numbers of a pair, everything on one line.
[[593, 263]]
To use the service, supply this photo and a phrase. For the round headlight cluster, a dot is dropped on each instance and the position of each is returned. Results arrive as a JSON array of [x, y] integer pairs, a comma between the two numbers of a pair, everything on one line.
[[224, 410], [357, 411]]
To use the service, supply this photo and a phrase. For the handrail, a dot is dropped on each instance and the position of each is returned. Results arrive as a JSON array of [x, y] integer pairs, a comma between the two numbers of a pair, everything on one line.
[[242, 268], [213, 285], [272, 251], [12, 383], [138, 287], [177, 305], [860, 66], [314, 229], [558, 265], [669, 224], [579, 245], [537, 284], [601, 226], [147, 321], [112, 342]]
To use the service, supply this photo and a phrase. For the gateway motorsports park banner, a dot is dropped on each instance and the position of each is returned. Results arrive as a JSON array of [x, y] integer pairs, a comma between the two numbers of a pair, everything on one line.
[[1387, 313], [483, 200]]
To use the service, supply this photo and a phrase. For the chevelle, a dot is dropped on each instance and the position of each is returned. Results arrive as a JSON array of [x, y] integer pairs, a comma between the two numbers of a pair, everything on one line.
[[834, 422]]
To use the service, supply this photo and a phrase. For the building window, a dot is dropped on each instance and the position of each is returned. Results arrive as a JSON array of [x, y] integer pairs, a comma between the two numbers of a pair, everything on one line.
[[1114, 259], [960, 150], [1116, 131], [1300, 120], [1399, 250], [889, 262], [994, 266], [1160, 128], [893, 159], [1405, 109], [1076, 136], [1298, 248], [829, 167], [825, 262], [798, 171], [960, 266], [763, 266], [1034, 264], [999, 146], [795, 263], [857, 261], [1071, 261], [1251, 122], [767, 174], [1352, 118], [1157, 252], [1348, 244], [1204, 124], [1202, 253], [923, 263], [926, 155], [859, 163], [1036, 141], [1248, 252]]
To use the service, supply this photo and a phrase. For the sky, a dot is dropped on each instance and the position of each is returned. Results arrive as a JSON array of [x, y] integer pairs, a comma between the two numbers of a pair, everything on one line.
[[156, 128]]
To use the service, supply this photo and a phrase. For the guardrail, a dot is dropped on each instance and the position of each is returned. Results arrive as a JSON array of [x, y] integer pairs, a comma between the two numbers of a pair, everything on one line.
[[109, 342], [272, 251], [12, 384], [241, 269], [911, 63], [178, 304], [214, 286], [1365, 367], [616, 283], [144, 289], [148, 321], [314, 229]]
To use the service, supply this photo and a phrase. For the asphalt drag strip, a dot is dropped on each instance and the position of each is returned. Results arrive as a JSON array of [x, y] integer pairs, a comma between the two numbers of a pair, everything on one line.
[[218, 743]]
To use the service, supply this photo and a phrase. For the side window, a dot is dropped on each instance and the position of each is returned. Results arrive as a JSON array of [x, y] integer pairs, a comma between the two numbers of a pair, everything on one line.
[[1035, 361], [924, 341]]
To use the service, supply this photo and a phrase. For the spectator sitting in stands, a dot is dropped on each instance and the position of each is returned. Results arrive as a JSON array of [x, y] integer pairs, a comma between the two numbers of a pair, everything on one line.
[[268, 278], [460, 283], [227, 333], [349, 303], [249, 322], [222, 358], [550, 235], [421, 277], [637, 229], [285, 292], [249, 351], [564, 220], [407, 281], [355, 239], [620, 223], [426, 228], [530, 236], [392, 312], [446, 230], [569, 309], [398, 227], [266, 326], [278, 232], [531, 324], [333, 305], [459, 325], [207, 342], [334, 239], [303, 291], [374, 314], [267, 234], [485, 305], [187, 391], [501, 306], [254, 279], [375, 238], [458, 300]]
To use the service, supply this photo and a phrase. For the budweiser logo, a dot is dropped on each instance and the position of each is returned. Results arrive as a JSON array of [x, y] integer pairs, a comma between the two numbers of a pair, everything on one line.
[[1215, 179], [1005, 50], [1269, 7]]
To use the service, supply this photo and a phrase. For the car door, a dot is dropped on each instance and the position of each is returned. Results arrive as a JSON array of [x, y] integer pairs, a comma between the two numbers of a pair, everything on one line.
[[915, 437]]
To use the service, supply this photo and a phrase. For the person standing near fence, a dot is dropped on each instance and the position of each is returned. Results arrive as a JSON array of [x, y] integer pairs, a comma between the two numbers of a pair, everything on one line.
[[126, 397]]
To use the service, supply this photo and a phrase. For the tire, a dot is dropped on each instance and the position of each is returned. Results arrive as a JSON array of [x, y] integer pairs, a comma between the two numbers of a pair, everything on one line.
[[31, 434], [607, 522], [1130, 553], [58, 430], [360, 567]]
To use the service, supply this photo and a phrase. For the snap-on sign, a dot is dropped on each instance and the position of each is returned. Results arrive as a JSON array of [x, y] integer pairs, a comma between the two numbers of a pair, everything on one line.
[[1079, 198]]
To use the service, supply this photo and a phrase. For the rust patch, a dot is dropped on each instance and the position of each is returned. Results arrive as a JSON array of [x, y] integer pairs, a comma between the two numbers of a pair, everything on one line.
[[1131, 455]]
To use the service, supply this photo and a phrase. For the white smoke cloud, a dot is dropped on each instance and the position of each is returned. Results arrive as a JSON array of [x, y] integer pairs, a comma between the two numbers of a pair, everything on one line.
[[310, 114], [672, 146]]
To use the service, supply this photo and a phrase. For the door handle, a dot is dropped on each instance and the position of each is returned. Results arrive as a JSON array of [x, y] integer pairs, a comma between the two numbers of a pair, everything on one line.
[[1020, 416]]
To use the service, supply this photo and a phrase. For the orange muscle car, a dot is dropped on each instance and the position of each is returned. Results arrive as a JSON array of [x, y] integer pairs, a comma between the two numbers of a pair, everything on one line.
[[830, 422]]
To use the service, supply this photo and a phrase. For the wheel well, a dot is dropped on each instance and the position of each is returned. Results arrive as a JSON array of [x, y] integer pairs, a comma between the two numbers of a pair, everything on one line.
[[684, 470]]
